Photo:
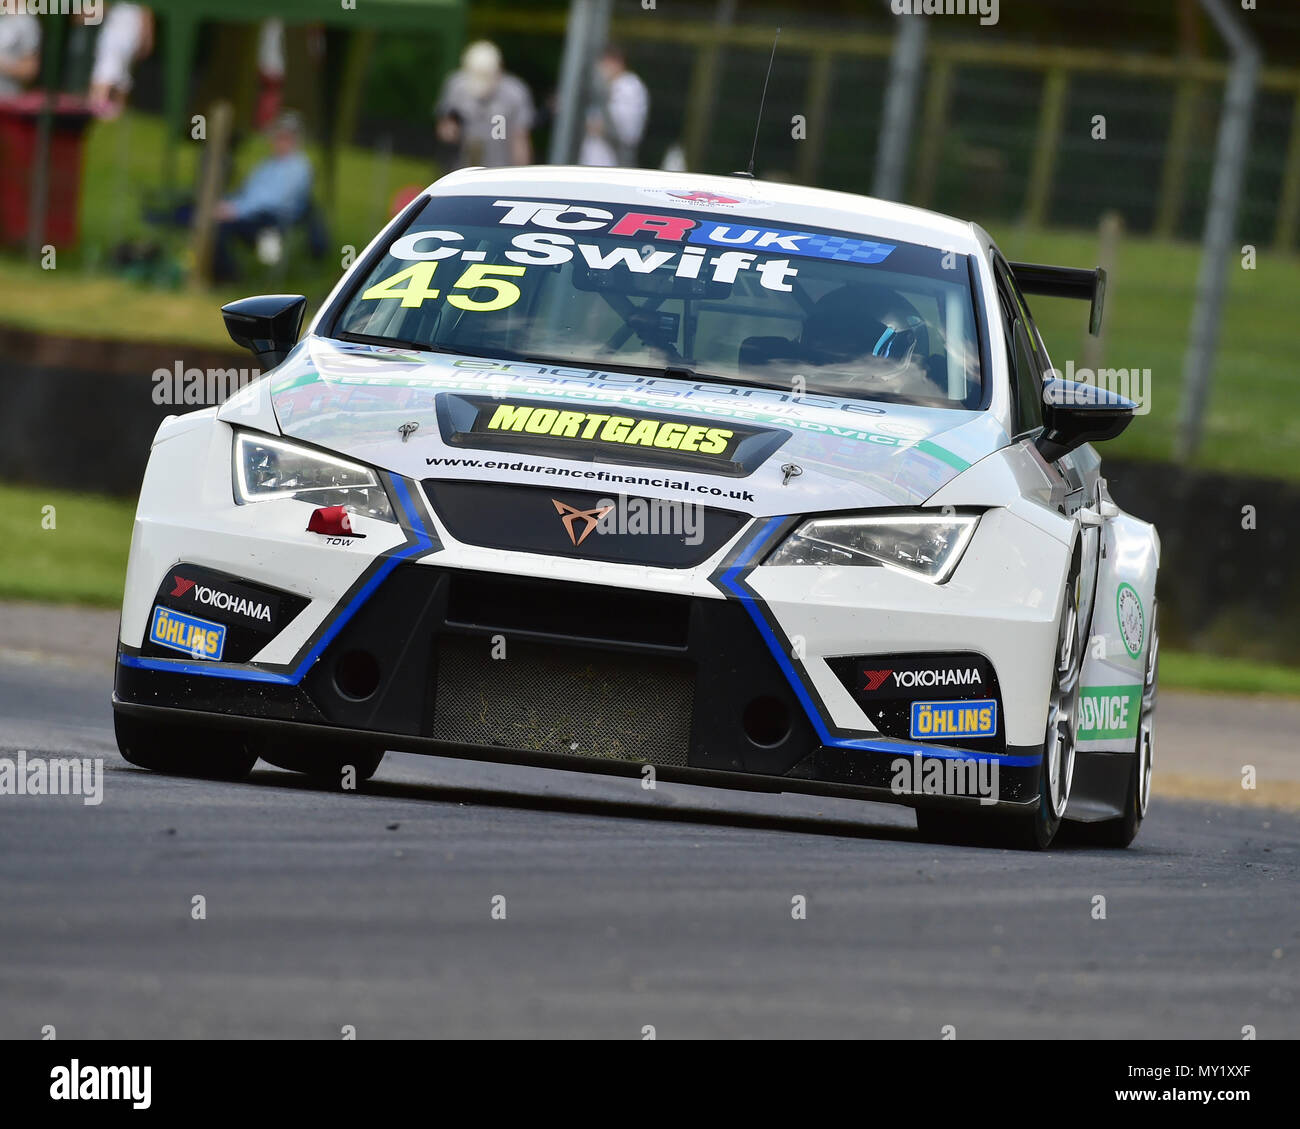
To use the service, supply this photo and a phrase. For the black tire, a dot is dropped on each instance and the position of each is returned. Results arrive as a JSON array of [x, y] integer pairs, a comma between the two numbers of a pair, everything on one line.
[[1031, 830], [1119, 833], [183, 750], [1019, 831], [322, 762]]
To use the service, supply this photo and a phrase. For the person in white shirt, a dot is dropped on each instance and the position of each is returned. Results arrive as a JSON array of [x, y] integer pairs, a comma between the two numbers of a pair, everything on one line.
[[125, 37], [20, 52], [485, 116], [270, 72], [617, 123]]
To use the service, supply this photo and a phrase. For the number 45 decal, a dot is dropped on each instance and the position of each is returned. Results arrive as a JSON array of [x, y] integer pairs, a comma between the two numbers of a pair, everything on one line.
[[417, 290]]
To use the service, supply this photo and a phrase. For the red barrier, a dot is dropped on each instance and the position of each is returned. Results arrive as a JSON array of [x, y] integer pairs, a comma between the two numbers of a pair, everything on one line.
[[19, 125]]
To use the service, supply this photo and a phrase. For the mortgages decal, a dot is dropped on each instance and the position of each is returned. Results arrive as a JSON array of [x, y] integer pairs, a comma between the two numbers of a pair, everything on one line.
[[604, 427], [608, 434]]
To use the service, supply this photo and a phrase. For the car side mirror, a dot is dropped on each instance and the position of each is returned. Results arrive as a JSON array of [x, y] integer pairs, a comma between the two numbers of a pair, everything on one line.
[[1075, 414], [267, 325]]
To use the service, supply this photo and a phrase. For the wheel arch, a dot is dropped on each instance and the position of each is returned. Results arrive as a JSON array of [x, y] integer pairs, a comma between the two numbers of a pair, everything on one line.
[[1121, 629]]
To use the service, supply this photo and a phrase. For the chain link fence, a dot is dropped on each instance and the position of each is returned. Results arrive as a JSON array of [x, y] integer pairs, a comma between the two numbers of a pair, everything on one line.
[[1053, 135]]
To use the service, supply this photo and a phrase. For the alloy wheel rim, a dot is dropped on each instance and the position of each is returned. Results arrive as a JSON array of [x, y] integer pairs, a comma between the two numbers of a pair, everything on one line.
[[1060, 723], [1147, 725]]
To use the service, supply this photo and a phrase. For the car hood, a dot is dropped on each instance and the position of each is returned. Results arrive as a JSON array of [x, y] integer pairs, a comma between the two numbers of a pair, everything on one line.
[[758, 451]]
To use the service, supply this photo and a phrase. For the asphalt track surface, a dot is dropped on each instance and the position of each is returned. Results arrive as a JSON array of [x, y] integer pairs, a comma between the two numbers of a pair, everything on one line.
[[624, 908]]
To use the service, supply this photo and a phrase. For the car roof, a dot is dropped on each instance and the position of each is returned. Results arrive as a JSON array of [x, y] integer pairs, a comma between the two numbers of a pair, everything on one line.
[[782, 204]]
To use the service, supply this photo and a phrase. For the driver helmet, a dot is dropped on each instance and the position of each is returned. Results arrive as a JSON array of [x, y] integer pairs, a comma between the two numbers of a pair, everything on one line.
[[861, 321]]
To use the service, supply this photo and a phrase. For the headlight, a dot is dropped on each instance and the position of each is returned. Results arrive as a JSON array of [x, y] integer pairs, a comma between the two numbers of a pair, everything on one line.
[[925, 545], [268, 468]]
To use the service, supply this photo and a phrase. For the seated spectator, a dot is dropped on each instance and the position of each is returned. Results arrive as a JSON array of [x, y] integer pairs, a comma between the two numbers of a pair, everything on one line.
[[275, 195], [20, 51], [278, 190]]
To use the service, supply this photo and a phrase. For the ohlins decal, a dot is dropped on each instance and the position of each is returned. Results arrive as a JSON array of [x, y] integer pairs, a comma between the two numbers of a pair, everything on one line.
[[955, 719], [179, 632], [603, 427]]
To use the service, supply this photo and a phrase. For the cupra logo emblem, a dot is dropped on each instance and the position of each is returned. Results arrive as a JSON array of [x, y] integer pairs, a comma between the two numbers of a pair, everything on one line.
[[569, 515]]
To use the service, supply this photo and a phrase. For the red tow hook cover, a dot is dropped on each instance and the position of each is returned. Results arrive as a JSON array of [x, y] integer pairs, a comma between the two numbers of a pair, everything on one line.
[[334, 521]]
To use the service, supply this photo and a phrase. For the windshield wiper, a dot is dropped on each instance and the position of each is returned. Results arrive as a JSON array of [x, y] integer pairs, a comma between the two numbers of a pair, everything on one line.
[[391, 342], [678, 372]]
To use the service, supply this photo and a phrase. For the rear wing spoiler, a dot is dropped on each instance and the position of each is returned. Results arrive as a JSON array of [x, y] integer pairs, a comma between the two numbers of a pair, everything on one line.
[[1065, 282]]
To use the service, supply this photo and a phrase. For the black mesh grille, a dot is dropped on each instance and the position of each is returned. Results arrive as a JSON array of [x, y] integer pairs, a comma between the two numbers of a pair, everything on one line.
[[651, 531], [568, 700]]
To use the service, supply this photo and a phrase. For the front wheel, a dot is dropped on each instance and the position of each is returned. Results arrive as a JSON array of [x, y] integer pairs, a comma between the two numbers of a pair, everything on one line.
[[178, 749], [1121, 831], [1035, 829], [1016, 830]]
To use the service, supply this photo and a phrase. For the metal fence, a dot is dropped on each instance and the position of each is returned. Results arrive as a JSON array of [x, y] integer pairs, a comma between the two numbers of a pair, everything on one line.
[[1005, 132]]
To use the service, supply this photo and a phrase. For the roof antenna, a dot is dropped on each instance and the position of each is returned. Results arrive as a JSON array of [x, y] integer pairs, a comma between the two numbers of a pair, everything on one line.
[[761, 106]]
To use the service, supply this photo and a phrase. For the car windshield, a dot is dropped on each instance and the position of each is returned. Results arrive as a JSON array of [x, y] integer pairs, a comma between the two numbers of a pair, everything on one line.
[[669, 289]]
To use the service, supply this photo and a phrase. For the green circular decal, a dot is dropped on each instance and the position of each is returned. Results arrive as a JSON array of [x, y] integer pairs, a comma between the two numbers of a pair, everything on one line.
[[1132, 621]]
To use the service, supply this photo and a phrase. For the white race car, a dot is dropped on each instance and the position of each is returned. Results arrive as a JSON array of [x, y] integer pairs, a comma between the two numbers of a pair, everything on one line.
[[705, 478]]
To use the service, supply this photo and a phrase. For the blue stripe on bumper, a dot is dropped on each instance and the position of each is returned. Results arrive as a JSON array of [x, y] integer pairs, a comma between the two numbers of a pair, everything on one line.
[[729, 580], [423, 543]]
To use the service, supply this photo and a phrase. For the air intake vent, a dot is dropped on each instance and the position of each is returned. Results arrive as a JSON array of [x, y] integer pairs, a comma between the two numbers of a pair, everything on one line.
[[580, 611], [570, 700]]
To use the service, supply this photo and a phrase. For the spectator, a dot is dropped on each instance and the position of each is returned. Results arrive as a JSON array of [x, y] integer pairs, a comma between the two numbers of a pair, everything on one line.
[[484, 112], [278, 190], [276, 195], [20, 51], [270, 71], [125, 37], [615, 127]]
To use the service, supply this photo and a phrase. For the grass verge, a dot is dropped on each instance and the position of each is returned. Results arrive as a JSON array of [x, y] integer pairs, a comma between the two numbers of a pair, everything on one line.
[[1185, 670], [64, 548]]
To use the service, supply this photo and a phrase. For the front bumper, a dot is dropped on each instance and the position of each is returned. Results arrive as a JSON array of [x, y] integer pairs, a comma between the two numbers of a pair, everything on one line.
[[523, 670], [721, 672]]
